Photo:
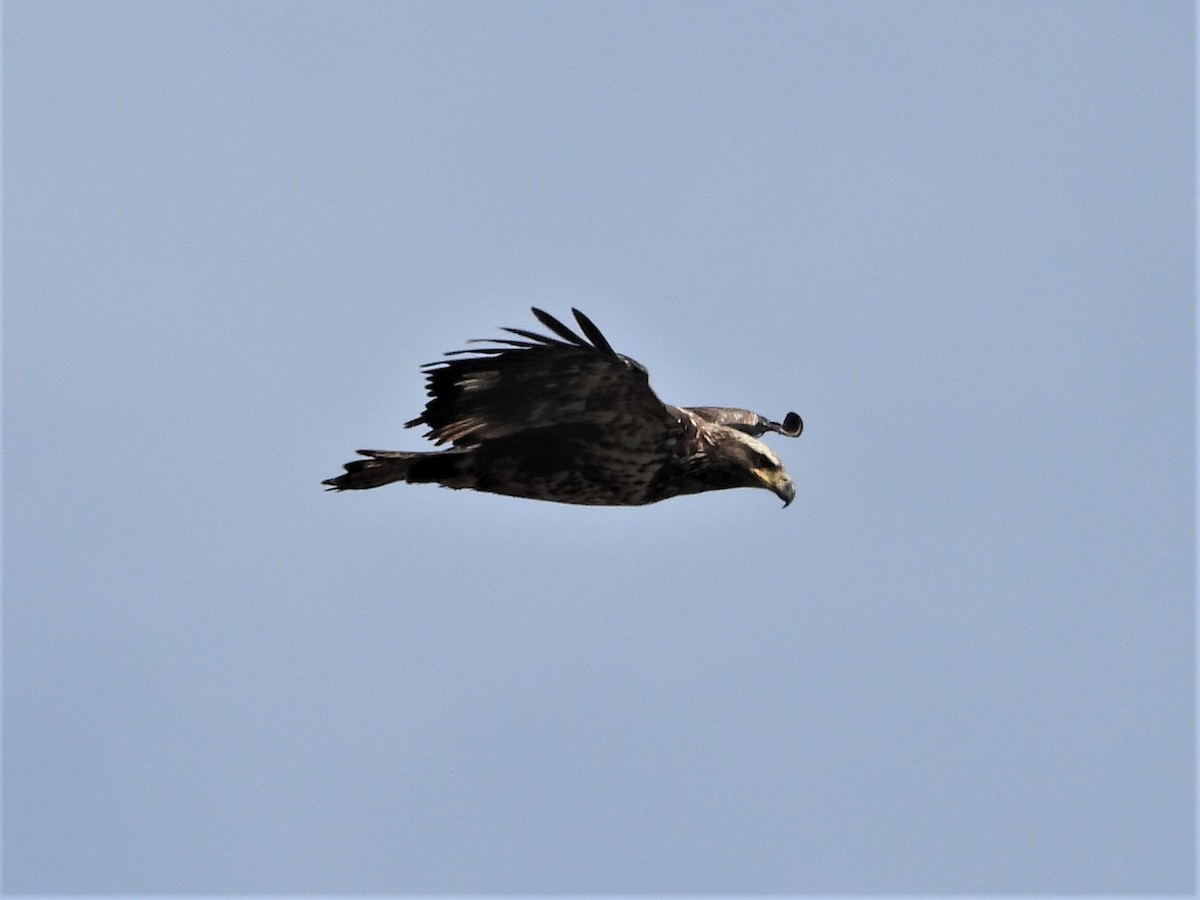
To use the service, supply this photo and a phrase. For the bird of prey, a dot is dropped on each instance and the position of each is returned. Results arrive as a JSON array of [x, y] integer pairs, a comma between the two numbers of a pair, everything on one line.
[[568, 419]]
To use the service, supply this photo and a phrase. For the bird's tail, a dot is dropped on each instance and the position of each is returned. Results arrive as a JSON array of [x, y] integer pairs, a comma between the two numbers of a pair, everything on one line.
[[385, 466]]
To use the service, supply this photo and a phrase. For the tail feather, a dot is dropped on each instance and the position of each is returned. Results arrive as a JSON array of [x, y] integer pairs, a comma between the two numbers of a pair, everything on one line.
[[382, 467], [385, 466]]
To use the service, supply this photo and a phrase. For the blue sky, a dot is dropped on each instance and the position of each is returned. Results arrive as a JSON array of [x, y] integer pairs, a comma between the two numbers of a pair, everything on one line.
[[957, 238]]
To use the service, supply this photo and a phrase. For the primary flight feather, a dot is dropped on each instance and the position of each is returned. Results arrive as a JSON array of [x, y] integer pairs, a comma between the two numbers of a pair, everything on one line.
[[568, 419]]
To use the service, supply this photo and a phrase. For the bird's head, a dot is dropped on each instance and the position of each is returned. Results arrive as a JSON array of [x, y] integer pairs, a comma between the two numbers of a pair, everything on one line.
[[738, 460]]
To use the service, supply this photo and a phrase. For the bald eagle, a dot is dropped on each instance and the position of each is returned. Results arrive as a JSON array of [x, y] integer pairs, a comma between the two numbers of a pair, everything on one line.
[[568, 419]]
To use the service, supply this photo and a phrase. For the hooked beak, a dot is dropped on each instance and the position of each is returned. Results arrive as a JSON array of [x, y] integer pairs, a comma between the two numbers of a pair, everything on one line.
[[778, 483]]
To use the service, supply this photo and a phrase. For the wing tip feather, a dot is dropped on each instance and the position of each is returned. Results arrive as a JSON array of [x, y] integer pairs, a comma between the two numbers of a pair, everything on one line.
[[558, 327], [594, 334]]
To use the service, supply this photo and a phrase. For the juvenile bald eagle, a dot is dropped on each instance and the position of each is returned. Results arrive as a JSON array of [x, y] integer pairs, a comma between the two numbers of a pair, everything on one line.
[[569, 419]]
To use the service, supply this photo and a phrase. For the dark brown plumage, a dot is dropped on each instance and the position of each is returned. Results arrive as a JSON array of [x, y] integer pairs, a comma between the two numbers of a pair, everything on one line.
[[568, 419]]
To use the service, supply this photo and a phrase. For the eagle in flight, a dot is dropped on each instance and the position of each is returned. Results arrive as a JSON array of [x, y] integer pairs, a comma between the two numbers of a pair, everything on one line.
[[568, 419]]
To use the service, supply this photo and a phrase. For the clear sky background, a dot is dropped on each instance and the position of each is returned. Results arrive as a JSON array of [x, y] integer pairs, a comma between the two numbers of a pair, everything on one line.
[[956, 237]]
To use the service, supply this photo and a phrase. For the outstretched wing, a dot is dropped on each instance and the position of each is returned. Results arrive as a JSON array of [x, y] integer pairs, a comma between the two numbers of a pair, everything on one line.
[[538, 381], [748, 421]]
